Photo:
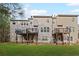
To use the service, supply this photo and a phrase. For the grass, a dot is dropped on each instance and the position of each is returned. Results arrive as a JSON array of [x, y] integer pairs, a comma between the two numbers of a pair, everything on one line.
[[12, 49]]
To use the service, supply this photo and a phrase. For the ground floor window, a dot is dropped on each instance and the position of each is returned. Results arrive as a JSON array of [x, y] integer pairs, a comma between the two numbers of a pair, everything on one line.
[[44, 38]]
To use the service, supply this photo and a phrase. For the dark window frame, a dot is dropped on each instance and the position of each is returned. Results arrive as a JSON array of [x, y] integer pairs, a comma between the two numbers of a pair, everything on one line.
[[60, 25], [41, 29], [47, 29], [13, 22]]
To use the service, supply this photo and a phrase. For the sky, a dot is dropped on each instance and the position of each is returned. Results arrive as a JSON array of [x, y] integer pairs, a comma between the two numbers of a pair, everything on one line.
[[50, 9]]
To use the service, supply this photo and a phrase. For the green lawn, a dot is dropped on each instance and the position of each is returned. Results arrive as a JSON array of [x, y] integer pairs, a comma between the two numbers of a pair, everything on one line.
[[12, 49]]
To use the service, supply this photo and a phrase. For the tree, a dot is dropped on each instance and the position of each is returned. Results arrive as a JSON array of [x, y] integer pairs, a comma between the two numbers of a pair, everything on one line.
[[8, 11]]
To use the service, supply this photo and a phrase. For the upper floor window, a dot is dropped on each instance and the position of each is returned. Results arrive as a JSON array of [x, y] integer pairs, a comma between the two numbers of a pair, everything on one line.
[[24, 23], [47, 29], [45, 38], [71, 38], [21, 23], [60, 25], [27, 24], [35, 25], [35, 29], [32, 29], [30, 22], [14, 23], [41, 29], [44, 29]]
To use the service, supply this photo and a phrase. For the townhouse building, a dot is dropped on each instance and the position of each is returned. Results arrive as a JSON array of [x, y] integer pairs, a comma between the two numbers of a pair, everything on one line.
[[45, 29]]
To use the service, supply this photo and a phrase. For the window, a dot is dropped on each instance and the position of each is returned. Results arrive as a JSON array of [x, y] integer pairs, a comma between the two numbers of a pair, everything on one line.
[[71, 38], [21, 23], [27, 24], [24, 23], [14, 23], [30, 22], [44, 29], [32, 29], [41, 29], [35, 29], [60, 25], [47, 29], [35, 25], [44, 38]]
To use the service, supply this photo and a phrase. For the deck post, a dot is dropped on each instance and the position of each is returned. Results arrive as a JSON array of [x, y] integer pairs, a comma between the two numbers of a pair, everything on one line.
[[56, 39], [63, 37], [27, 38], [22, 39], [36, 39], [16, 38]]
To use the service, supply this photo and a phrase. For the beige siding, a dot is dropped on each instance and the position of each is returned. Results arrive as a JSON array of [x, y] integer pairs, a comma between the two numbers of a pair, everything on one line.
[[46, 21], [69, 22]]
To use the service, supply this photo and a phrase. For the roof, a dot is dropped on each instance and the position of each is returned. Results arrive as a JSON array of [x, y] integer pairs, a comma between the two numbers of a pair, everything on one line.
[[42, 16], [23, 19], [19, 20], [68, 15]]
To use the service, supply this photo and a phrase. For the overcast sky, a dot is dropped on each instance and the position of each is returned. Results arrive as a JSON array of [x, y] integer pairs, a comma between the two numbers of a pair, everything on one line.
[[50, 8]]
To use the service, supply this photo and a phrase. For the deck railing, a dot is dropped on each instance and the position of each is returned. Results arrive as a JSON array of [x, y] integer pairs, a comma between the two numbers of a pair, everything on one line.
[[29, 30], [60, 30]]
